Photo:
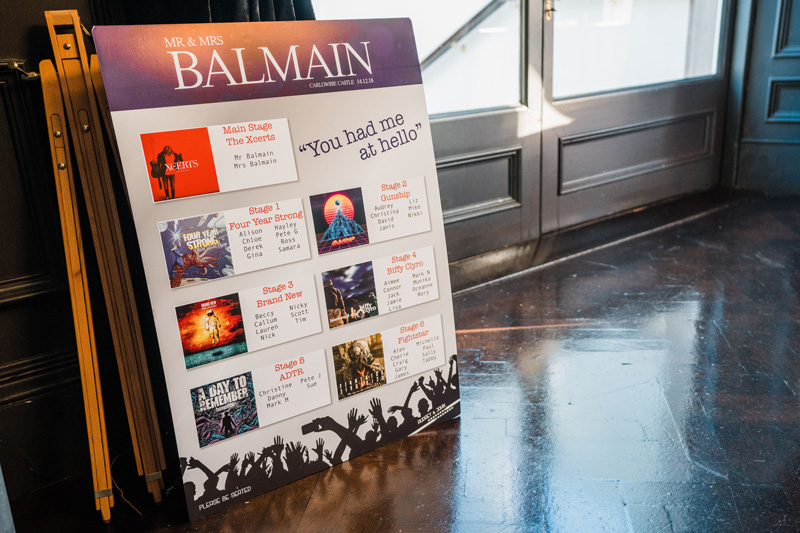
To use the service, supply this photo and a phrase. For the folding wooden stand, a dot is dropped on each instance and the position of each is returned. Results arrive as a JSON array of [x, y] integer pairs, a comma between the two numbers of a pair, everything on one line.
[[70, 95], [78, 289]]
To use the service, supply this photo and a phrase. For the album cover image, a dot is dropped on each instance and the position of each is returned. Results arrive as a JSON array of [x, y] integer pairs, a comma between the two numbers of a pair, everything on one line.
[[224, 409], [196, 249], [350, 294], [339, 220], [359, 365], [179, 163], [211, 330]]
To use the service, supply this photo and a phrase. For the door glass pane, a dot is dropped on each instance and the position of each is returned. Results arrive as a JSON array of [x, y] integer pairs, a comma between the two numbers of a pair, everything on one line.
[[607, 45], [470, 50]]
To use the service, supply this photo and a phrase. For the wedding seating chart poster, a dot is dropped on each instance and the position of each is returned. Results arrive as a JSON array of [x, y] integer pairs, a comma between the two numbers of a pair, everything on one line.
[[284, 191]]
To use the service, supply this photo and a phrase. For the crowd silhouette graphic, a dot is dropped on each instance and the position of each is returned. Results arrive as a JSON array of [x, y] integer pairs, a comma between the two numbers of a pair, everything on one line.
[[282, 462]]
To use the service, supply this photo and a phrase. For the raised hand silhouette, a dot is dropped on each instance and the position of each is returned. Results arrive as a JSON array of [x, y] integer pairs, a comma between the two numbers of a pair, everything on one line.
[[296, 455], [375, 409], [354, 421], [232, 479], [320, 446]]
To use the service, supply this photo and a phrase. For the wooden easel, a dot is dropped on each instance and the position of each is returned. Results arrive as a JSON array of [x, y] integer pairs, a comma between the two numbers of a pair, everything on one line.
[[78, 289], [71, 106]]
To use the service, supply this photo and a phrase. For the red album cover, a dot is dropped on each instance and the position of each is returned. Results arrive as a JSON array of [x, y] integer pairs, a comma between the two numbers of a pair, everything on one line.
[[211, 330], [180, 163]]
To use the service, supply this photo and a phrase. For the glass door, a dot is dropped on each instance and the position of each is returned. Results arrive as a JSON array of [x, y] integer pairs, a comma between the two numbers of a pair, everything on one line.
[[634, 104], [483, 90]]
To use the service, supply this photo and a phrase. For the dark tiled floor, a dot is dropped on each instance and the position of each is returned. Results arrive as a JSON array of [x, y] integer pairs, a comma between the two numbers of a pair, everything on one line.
[[647, 386], [652, 385]]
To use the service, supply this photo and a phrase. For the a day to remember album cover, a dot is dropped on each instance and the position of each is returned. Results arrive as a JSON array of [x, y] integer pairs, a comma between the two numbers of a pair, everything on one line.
[[196, 249], [224, 408], [211, 330], [339, 220], [180, 163], [359, 365], [350, 294]]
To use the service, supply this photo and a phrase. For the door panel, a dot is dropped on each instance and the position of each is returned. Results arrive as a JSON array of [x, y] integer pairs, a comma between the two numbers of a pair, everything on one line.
[[488, 167], [625, 150], [607, 152], [596, 158], [769, 155]]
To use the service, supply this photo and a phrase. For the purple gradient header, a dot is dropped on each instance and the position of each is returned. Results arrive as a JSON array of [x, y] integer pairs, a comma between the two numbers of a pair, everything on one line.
[[172, 65]]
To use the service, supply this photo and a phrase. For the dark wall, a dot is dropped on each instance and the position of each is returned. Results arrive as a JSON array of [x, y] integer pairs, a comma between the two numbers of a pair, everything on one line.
[[43, 436]]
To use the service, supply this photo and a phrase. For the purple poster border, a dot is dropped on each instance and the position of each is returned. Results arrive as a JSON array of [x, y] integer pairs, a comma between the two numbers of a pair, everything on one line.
[[171, 65]]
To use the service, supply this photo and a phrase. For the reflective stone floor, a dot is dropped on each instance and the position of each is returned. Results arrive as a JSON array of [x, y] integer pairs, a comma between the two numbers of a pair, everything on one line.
[[648, 386], [651, 385]]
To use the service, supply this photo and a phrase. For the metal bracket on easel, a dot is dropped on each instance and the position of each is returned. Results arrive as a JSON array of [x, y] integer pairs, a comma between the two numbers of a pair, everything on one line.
[[19, 66]]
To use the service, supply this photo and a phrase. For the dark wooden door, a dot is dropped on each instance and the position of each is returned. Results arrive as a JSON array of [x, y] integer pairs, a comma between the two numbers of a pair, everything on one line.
[[769, 157]]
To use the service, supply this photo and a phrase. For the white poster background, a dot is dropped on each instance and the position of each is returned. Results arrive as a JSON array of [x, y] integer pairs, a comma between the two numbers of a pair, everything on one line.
[[309, 118]]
